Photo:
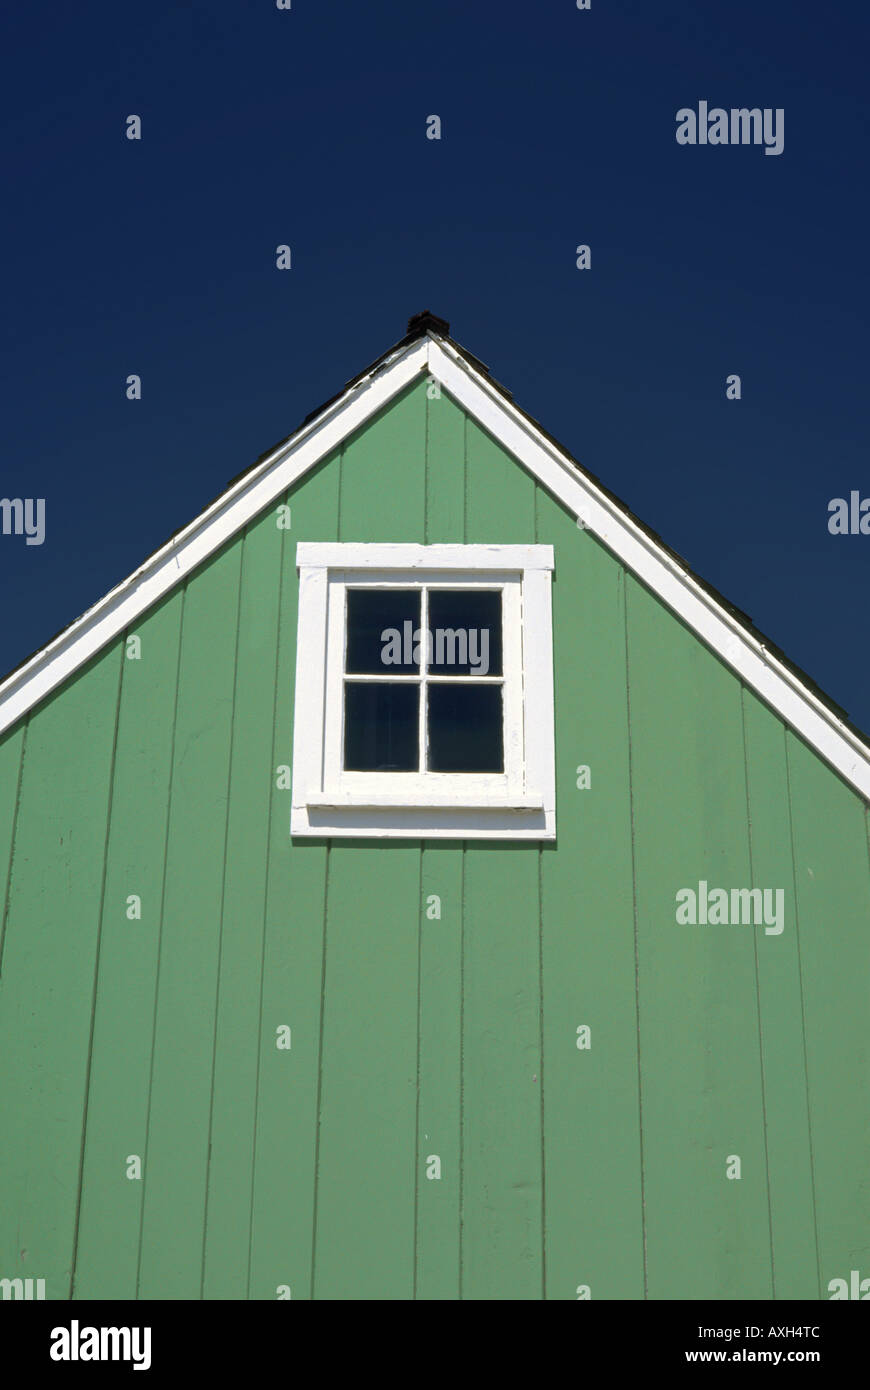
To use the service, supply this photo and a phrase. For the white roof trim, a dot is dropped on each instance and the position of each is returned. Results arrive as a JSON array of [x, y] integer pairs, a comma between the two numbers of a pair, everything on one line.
[[673, 584], [270, 480], [253, 492]]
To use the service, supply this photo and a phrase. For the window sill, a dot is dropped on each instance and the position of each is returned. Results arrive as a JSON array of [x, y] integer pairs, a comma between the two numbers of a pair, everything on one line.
[[478, 802], [367, 815]]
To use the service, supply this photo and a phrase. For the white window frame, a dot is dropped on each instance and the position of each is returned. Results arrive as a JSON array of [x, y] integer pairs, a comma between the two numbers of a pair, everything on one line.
[[516, 804]]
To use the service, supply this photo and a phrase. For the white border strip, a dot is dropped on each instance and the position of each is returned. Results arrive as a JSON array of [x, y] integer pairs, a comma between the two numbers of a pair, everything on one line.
[[45, 671], [758, 667]]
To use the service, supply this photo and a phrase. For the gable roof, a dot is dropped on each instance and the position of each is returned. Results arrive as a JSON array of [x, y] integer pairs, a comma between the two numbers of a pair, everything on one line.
[[428, 349]]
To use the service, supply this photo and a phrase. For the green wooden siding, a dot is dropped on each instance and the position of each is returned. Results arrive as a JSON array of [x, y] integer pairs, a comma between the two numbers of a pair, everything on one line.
[[416, 1032]]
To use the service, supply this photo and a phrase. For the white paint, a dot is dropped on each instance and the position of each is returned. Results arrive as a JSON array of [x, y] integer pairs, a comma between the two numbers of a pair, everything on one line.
[[668, 580], [257, 490], [762, 671], [517, 804], [387, 555]]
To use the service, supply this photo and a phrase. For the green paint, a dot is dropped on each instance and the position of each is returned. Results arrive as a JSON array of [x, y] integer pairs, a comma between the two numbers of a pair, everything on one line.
[[706, 1235], [833, 907], [176, 1154], [414, 1036], [282, 1197], [11, 749], [49, 956], [117, 1102], [594, 1234], [789, 1154], [238, 1023]]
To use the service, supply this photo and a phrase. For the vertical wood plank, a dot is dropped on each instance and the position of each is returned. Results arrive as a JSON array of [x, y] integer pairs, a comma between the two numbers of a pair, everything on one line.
[[439, 1073], [237, 1031], [500, 495], [501, 1128], [445, 472], [47, 988], [780, 989], [282, 1198], [439, 1063], [176, 1156], [367, 1121], [117, 1101], [383, 474], [594, 1235], [367, 1150], [833, 901], [699, 1035], [502, 1180]]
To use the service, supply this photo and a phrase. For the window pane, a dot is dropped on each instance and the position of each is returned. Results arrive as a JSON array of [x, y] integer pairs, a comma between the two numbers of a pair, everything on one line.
[[465, 728], [466, 631], [381, 731], [381, 628]]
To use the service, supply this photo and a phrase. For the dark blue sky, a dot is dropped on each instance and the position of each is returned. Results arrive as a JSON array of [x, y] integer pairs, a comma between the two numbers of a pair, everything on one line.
[[307, 127]]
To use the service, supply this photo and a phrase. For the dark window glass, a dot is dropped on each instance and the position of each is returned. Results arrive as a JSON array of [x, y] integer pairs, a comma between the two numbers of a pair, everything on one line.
[[465, 728], [372, 613], [466, 631], [381, 731]]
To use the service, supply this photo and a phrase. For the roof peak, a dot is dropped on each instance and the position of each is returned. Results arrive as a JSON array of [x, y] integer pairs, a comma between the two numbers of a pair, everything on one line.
[[427, 348], [426, 322]]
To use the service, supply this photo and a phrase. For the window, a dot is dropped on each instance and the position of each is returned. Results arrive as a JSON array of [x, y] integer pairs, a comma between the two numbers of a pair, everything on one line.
[[424, 692], [423, 679]]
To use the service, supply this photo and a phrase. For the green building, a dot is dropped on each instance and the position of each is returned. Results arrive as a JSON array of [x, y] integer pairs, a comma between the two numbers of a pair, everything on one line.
[[417, 883]]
